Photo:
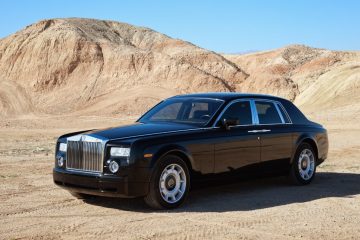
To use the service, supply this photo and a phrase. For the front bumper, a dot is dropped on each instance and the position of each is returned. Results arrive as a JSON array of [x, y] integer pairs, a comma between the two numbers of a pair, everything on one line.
[[99, 184]]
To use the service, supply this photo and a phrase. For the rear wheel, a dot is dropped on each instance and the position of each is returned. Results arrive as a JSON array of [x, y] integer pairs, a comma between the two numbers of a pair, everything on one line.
[[304, 165], [169, 185]]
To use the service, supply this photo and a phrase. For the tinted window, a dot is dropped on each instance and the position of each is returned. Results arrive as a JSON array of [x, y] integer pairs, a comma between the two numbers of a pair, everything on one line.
[[284, 115], [267, 113], [168, 112], [199, 109], [296, 116], [240, 111], [183, 110]]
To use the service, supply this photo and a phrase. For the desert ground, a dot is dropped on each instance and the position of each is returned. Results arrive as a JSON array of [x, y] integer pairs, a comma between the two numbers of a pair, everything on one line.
[[32, 207]]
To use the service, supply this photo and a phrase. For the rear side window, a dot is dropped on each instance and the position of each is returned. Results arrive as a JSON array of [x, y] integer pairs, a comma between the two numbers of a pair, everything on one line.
[[267, 113], [240, 111]]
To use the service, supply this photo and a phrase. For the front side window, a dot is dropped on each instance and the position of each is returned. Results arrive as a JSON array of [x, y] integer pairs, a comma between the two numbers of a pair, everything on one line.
[[240, 111], [267, 113], [196, 111]]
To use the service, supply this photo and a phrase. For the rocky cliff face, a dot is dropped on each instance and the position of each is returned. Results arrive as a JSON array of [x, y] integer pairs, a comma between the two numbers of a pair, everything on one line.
[[86, 66]]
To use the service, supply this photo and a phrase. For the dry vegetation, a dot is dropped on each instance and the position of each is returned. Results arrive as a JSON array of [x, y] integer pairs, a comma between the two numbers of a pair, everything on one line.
[[64, 75]]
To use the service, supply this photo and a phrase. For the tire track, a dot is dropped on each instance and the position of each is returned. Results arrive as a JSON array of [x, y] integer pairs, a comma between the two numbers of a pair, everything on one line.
[[45, 207]]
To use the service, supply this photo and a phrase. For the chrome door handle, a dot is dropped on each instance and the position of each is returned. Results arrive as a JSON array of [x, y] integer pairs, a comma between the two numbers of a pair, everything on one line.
[[257, 131], [265, 130]]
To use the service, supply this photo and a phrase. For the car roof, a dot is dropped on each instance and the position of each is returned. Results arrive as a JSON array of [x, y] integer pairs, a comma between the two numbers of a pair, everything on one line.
[[228, 96]]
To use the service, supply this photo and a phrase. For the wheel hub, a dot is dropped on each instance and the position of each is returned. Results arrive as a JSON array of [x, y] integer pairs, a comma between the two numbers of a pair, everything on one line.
[[170, 183], [306, 164]]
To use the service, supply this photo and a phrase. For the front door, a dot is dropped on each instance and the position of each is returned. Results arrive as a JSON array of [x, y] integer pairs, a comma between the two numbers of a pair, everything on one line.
[[236, 147]]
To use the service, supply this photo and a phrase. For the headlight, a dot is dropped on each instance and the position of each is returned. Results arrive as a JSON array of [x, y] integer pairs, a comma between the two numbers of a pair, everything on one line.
[[62, 147], [120, 152]]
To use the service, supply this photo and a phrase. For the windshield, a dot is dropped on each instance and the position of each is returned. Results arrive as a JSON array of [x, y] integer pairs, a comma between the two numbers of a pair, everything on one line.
[[197, 111]]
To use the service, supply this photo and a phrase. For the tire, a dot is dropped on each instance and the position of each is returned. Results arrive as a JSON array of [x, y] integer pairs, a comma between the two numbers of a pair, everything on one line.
[[303, 167], [169, 184]]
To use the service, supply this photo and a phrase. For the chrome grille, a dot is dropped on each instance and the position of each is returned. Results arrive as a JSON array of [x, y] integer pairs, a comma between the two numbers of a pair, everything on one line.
[[85, 156]]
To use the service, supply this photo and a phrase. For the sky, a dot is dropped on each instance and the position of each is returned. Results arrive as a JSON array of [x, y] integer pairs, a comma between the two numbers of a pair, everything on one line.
[[223, 26]]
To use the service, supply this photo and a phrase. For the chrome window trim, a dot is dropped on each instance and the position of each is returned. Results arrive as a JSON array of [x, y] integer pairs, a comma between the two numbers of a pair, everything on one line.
[[255, 118], [286, 113], [254, 112], [279, 112], [274, 102]]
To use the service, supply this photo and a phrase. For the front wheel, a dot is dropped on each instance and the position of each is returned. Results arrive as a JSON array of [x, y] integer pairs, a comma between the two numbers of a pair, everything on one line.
[[303, 167], [169, 185]]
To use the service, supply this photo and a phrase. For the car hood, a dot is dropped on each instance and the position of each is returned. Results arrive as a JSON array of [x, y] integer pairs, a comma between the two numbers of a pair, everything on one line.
[[138, 130]]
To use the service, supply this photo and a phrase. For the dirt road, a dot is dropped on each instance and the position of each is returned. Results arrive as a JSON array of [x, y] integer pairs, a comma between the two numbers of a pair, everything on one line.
[[32, 207]]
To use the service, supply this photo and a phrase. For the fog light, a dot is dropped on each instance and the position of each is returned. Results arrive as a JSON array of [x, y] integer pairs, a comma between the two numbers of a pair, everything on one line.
[[113, 166], [60, 161]]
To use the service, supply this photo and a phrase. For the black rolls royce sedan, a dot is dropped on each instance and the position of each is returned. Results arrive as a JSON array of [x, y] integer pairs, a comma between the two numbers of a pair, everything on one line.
[[187, 137]]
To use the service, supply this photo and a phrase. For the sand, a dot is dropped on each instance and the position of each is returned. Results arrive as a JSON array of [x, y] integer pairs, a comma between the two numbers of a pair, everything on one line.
[[32, 207]]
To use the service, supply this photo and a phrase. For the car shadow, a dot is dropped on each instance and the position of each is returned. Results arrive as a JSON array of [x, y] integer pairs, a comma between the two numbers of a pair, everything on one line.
[[250, 194]]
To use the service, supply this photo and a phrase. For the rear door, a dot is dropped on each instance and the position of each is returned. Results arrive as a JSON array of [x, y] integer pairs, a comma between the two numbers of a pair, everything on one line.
[[276, 131]]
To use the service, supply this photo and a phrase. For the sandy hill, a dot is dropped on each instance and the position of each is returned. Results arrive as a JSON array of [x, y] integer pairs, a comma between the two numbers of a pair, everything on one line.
[[86, 66], [103, 67], [323, 83], [318, 77]]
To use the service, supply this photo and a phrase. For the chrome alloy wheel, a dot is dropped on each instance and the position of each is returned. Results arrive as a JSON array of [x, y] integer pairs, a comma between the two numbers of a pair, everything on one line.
[[172, 183], [306, 164]]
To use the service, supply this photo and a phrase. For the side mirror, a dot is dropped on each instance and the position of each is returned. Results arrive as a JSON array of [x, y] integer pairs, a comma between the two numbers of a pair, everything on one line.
[[227, 123]]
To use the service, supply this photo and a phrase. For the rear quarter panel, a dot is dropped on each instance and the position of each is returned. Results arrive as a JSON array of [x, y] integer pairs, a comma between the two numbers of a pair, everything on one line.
[[317, 134]]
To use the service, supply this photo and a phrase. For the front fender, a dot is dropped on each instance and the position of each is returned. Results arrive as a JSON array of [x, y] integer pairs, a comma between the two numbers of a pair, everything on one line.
[[173, 149]]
